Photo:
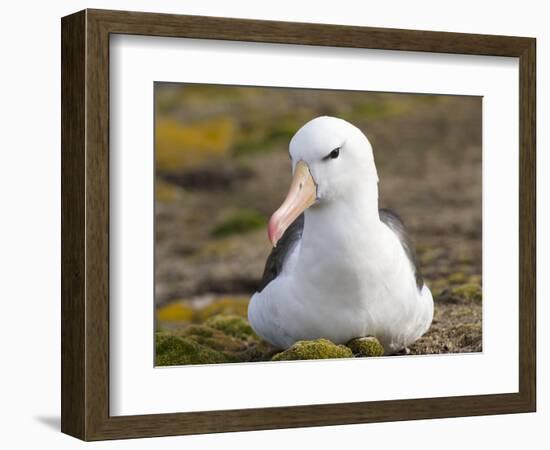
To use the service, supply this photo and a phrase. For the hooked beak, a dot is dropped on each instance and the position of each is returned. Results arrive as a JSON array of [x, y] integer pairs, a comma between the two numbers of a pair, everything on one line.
[[301, 195]]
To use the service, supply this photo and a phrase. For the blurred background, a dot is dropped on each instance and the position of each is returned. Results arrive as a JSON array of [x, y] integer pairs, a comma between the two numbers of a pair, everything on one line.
[[222, 168]]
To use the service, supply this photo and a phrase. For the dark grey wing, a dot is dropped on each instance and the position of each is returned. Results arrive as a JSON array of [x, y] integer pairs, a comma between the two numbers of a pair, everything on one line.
[[277, 257], [394, 222]]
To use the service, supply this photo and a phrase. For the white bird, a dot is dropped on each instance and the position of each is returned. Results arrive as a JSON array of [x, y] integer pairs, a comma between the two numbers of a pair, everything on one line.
[[340, 267]]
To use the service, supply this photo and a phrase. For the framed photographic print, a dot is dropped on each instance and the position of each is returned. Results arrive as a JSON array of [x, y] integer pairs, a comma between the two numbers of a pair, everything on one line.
[[266, 224]]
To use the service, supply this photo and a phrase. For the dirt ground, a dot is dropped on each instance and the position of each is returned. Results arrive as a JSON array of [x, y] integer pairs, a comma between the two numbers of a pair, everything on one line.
[[223, 168]]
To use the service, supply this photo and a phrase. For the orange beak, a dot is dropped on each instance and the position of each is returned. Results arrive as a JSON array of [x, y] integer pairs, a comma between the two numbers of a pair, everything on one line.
[[301, 195]]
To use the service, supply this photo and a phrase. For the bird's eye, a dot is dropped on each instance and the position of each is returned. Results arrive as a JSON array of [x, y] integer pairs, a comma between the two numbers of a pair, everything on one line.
[[333, 154]]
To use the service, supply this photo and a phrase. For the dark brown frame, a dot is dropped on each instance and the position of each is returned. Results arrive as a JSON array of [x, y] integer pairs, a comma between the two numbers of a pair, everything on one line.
[[85, 224]]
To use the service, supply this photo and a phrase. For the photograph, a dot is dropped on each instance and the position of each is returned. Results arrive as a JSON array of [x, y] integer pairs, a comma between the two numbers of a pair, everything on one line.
[[307, 224]]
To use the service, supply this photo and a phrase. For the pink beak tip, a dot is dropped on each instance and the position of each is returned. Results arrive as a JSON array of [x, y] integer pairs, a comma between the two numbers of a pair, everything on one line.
[[272, 231]]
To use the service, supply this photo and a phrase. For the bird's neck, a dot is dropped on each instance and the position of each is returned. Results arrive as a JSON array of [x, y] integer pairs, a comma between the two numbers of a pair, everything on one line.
[[342, 240], [339, 220]]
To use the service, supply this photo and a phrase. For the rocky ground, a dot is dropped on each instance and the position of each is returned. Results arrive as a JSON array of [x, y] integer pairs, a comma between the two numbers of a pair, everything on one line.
[[222, 169]]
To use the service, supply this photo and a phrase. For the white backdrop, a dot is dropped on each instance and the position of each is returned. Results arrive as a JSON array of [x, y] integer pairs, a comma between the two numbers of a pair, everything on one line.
[[29, 238]]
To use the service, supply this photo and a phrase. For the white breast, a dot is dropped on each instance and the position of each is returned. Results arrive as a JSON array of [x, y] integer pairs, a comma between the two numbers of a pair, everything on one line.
[[343, 284]]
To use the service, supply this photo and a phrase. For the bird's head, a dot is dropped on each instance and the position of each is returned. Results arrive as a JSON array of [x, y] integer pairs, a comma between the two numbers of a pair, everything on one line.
[[331, 159]]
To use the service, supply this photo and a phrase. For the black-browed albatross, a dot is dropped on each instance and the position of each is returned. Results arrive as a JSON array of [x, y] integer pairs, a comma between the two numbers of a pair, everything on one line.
[[341, 268]]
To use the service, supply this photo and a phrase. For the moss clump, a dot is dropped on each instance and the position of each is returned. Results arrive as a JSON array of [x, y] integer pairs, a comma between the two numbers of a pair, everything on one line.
[[471, 292], [172, 350], [240, 221], [466, 292], [214, 339], [232, 325], [317, 349], [457, 278], [366, 346], [203, 344]]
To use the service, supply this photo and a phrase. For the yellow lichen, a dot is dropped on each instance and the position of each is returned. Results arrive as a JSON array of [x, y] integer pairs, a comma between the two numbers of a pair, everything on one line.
[[182, 146], [229, 305], [175, 312]]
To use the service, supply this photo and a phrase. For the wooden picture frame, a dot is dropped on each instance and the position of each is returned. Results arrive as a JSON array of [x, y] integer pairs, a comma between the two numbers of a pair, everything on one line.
[[85, 224]]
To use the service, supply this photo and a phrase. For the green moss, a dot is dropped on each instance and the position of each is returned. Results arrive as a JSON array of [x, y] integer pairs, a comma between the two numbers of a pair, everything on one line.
[[366, 346], [457, 277], [470, 292], [214, 339], [467, 292], [202, 344], [317, 349], [232, 325], [174, 350], [239, 222], [198, 331]]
